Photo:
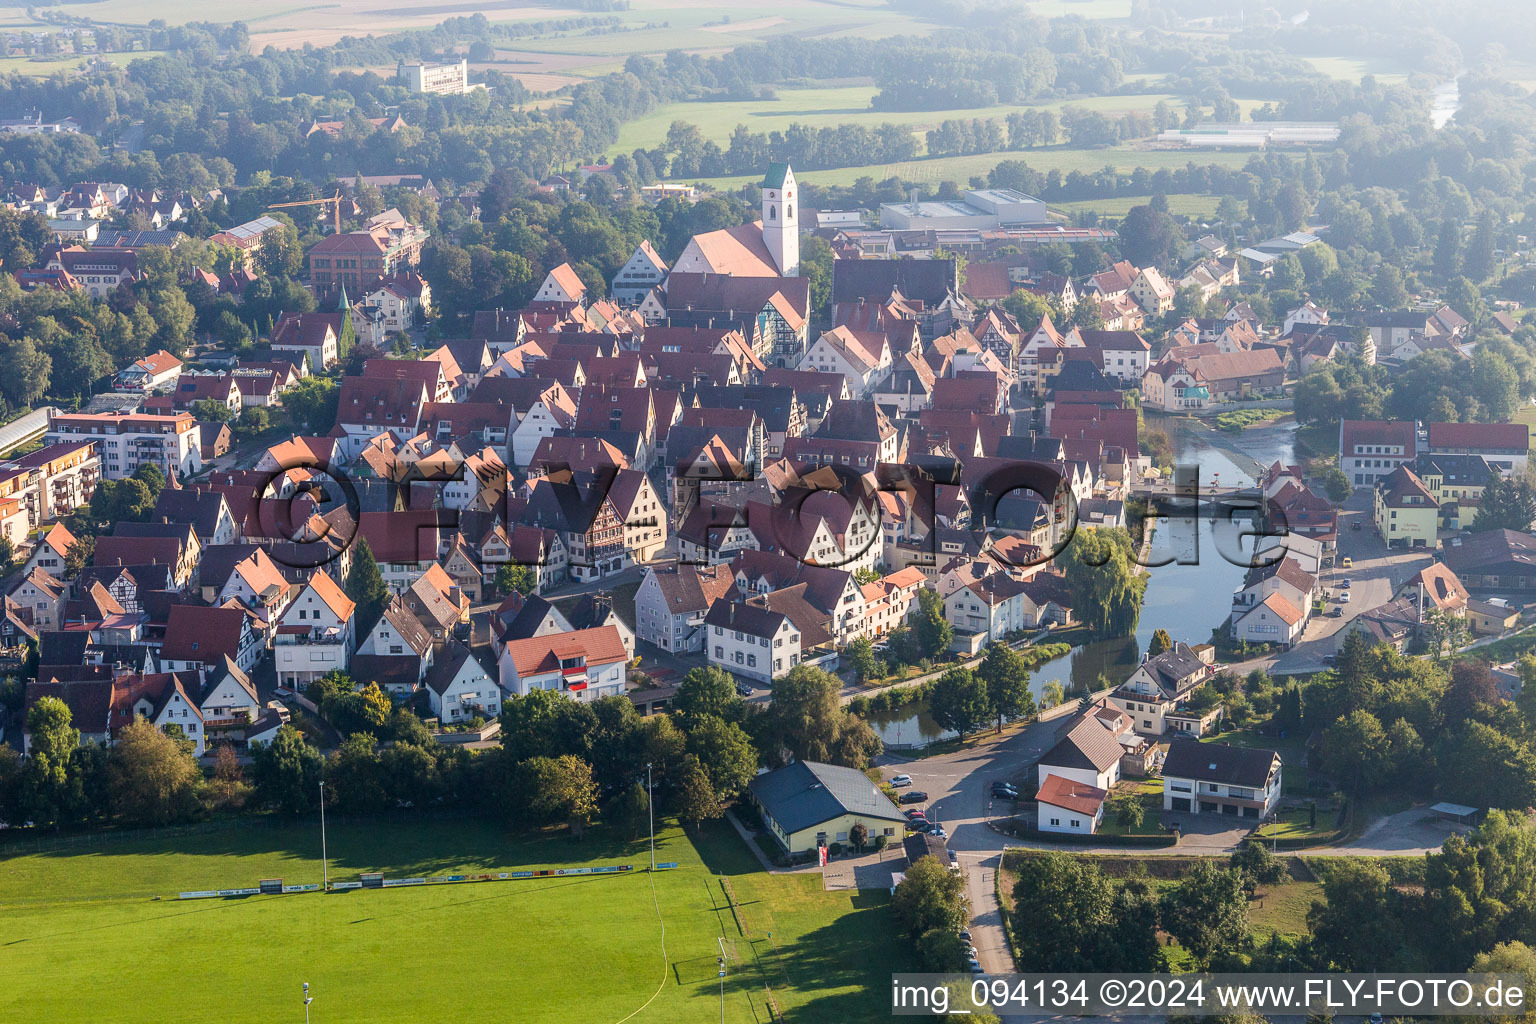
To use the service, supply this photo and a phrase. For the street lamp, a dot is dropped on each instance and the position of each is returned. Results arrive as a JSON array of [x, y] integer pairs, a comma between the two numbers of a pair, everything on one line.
[[307, 1001], [721, 940], [325, 867], [650, 810]]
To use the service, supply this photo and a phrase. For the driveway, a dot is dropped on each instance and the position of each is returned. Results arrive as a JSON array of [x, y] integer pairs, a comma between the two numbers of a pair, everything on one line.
[[1413, 832], [1376, 573]]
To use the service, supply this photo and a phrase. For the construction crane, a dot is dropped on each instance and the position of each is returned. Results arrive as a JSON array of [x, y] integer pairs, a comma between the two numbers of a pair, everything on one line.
[[333, 201]]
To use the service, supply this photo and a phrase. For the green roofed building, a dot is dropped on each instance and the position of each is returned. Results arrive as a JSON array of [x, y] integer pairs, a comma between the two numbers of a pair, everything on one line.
[[806, 803]]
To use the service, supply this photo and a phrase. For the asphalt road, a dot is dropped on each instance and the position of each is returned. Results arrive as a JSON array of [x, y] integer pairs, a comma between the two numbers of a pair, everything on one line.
[[1376, 574]]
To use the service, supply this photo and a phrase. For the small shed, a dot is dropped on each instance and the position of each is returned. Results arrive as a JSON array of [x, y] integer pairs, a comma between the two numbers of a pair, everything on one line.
[[1461, 814]]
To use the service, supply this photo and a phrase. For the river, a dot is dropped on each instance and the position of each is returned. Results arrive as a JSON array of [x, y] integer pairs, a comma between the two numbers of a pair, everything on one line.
[[1444, 102], [1188, 600]]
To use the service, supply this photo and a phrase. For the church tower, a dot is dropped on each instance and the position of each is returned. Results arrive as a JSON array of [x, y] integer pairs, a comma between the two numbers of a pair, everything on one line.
[[781, 219]]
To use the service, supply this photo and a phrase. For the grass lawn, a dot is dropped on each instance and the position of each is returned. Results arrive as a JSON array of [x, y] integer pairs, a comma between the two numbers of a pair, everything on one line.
[[961, 168], [1352, 69], [831, 105], [526, 950], [1282, 908], [1296, 823], [70, 63], [1186, 204], [1527, 415], [1149, 792]]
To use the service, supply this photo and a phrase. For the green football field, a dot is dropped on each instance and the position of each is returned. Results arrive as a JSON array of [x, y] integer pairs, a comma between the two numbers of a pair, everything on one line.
[[96, 934]]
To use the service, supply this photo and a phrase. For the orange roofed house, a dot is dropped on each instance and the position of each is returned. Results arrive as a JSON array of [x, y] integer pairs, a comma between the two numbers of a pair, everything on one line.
[[585, 664]]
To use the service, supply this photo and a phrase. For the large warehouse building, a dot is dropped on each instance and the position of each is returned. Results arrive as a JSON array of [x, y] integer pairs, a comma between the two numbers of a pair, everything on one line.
[[981, 208]]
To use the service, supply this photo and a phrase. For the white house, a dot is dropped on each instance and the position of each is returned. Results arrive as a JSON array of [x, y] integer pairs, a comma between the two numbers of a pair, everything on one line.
[[459, 688], [1214, 778], [1152, 291], [561, 285], [671, 603], [862, 358], [994, 605], [1273, 620], [1158, 685], [163, 702], [315, 634], [1285, 577], [1066, 805], [1308, 312], [1087, 753], [1173, 387], [749, 639], [229, 697], [586, 664], [639, 275]]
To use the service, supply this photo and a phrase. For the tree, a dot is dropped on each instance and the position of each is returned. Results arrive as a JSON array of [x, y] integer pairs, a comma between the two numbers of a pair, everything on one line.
[[558, 790], [707, 691], [1355, 752], [511, 576], [1207, 911], [1028, 308], [354, 776], [1106, 589], [287, 772], [227, 790], [696, 800], [1006, 678], [365, 585], [45, 788], [805, 718], [1129, 813], [1387, 288], [726, 752], [1336, 483], [858, 835], [1149, 237], [1160, 643], [958, 701], [1051, 694], [210, 410], [1073, 910], [930, 897], [1356, 927], [312, 403], [929, 625], [629, 812], [860, 657], [25, 372], [153, 779]]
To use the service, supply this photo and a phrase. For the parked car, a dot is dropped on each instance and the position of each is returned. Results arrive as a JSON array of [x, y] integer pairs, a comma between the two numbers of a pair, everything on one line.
[[921, 825], [901, 780], [971, 952], [937, 831], [1003, 791], [1337, 613], [1356, 526], [965, 935], [954, 860], [1347, 562], [1346, 583], [915, 812], [914, 796], [1329, 659], [1343, 597], [976, 968], [743, 689]]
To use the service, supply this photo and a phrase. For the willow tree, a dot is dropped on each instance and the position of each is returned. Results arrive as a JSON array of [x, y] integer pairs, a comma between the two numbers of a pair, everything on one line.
[[1106, 587]]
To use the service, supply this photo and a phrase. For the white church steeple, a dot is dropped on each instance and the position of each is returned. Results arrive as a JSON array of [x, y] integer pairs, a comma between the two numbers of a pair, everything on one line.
[[781, 218]]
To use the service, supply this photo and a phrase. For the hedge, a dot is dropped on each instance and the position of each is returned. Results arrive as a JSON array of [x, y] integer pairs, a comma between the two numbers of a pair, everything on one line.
[[1076, 839]]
